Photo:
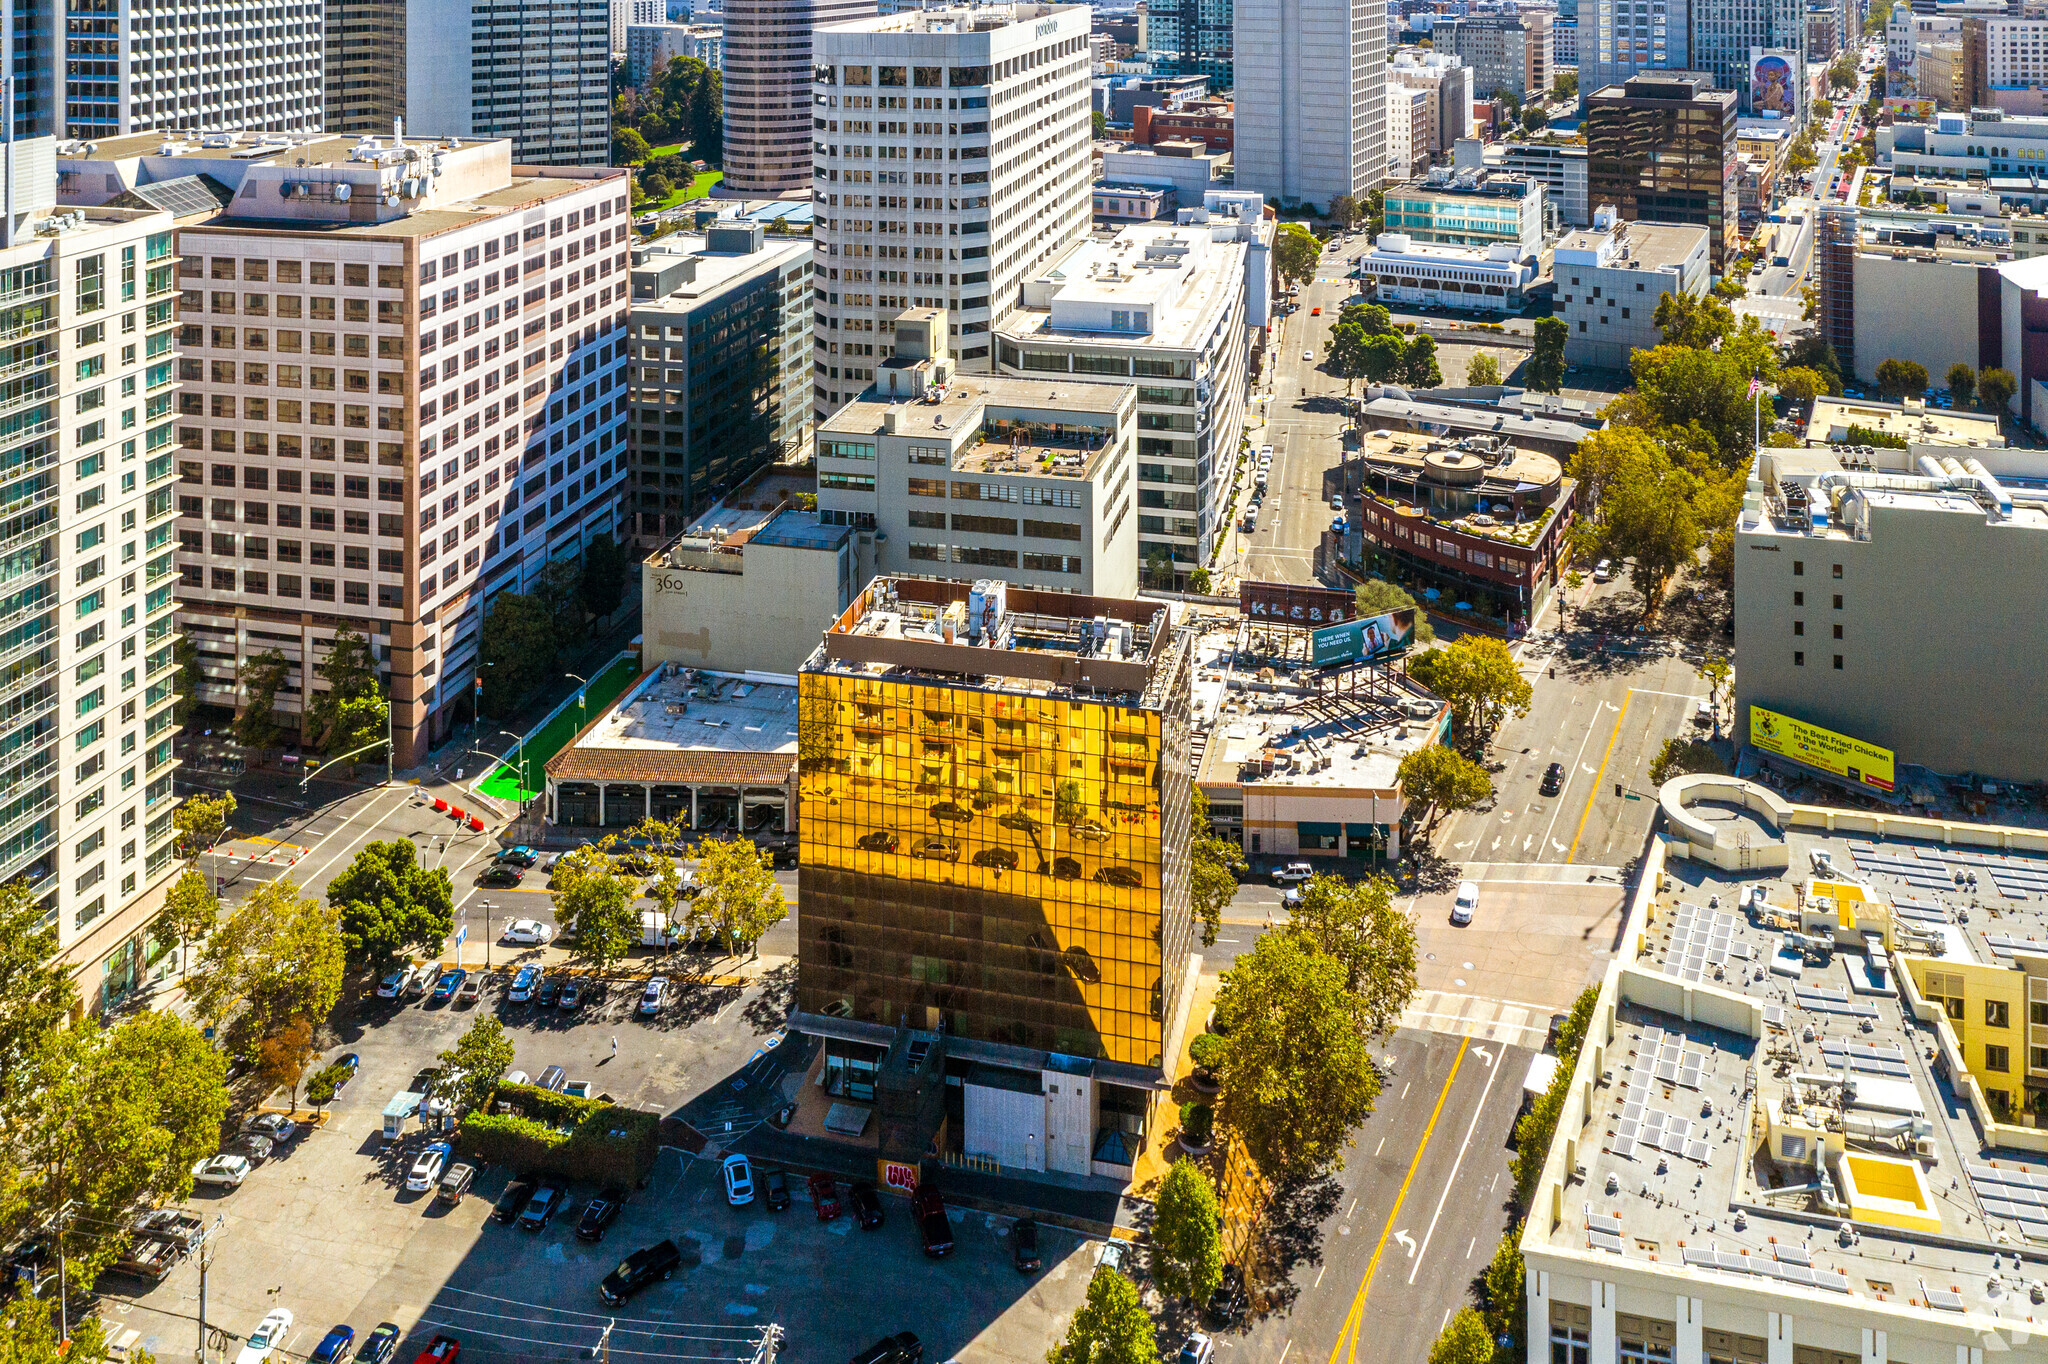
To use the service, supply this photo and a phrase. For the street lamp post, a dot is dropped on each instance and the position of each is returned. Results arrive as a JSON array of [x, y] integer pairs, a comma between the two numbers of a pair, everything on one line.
[[486, 905], [521, 759], [581, 709]]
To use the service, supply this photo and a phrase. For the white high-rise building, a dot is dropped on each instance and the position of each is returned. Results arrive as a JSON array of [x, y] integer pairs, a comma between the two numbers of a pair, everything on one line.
[[951, 163], [98, 71], [87, 585], [626, 13], [539, 77], [1311, 98], [767, 84]]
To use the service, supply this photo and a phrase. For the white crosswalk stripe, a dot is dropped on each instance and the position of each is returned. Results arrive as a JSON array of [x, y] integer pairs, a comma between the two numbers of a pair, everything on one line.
[[1486, 1020]]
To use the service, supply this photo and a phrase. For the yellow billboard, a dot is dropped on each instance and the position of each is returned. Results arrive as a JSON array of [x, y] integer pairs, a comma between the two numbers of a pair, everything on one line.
[[1822, 748]]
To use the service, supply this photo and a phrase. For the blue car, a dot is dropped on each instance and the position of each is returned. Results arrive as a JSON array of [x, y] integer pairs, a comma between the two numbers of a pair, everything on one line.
[[333, 1346], [445, 988]]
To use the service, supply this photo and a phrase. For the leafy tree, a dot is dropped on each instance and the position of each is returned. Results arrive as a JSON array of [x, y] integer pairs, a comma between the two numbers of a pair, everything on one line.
[[185, 653], [1730, 287], [1677, 386], [1357, 925], [1465, 1340], [472, 1068], [1507, 1310], [739, 900], [1545, 371], [1995, 388], [1159, 568], [683, 101], [325, 1084], [1296, 253], [278, 956], [594, 904], [1647, 517], [603, 584], [1198, 582], [358, 722], [201, 822], [1870, 435], [1683, 757], [1418, 366], [1299, 1076], [665, 840], [1801, 385], [629, 148], [1378, 597], [28, 1335], [1715, 672], [1187, 1241], [560, 589], [388, 903], [1534, 119], [1444, 781], [262, 678], [155, 1092], [1482, 370], [1376, 321], [281, 1057], [1385, 358], [518, 649], [1901, 378], [1111, 1327], [1478, 677], [1813, 352], [350, 671], [1100, 122], [190, 910], [654, 185], [1565, 85], [1217, 862], [1962, 383], [35, 992], [1345, 352], [1697, 322], [1344, 211]]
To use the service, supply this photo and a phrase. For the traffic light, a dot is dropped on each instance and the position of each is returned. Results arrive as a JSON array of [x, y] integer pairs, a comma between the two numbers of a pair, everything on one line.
[[1619, 789]]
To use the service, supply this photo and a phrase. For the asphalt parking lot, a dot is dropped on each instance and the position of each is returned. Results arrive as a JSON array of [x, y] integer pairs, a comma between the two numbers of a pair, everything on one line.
[[326, 1228]]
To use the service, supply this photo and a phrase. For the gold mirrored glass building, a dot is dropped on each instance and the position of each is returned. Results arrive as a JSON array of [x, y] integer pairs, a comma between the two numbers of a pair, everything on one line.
[[995, 786]]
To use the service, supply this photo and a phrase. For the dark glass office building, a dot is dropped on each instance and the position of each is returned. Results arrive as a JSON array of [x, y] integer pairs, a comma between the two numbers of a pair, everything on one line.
[[1661, 149]]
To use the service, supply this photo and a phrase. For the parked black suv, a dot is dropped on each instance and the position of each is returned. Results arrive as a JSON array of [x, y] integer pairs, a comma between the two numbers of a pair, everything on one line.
[[928, 1208], [599, 1213], [638, 1270], [512, 1202], [867, 1205]]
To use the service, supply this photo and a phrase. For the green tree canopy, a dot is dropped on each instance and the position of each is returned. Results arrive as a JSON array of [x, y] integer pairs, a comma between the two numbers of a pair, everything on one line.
[[262, 678], [594, 904], [1344, 211], [1801, 385], [28, 1335], [1296, 253], [1378, 597], [1217, 863], [1482, 370], [1357, 925], [518, 649], [1375, 320], [1901, 378], [1111, 1327], [1418, 365], [389, 903], [1695, 321], [1683, 757], [35, 992], [190, 909], [201, 822], [1545, 370], [1442, 781], [1479, 679], [278, 955], [1995, 388], [1465, 1340], [1648, 517], [350, 672], [739, 900], [472, 1068], [1187, 1239], [629, 148], [1386, 357], [603, 584], [1299, 1076], [358, 722], [1962, 383]]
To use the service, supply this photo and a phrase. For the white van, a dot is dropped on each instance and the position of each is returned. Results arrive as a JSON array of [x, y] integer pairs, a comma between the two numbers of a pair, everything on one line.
[[1467, 902]]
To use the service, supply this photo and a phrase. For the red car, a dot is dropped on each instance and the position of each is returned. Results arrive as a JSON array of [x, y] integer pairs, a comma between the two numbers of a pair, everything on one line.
[[825, 1196], [442, 1351]]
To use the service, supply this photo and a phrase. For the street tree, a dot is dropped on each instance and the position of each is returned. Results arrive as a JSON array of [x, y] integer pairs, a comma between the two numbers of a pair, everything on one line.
[[1962, 383], [262, 678], [1357, 925], [1648, 517], [594, 904], [1480, 680], [1901, 378], [35, 992], [1296, 253], [738, 899], [1345, 354], [602, 585], [1378, 597], [472, 1068], [325, 1084], [1386, 357], [1442, 781], [1507, 1311], [1995, 388], [389, 903], [350, 672], [518, 650], [201, 821], [1680, 387], [1187, 1241], [1715, 672], [28, 1335], [190, 910], [1419, 368], [1800, 385], [1344, 211], [1465, 1340], [1299, 1078], [665, 840], [359, 722], [1545, 370], [279, 955], [1697, 322], [1217, 862], [1376, 320], [1482, 370], [281, 1058], [1111, 1326], [1683, 757]]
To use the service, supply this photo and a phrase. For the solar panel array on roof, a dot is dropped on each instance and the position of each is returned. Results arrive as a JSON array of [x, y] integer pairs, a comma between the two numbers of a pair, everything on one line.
[[1824, 1001], [181, 197], [1603, 1232], [1660, 1060], [1887, 1061], [1789, 1271], [2017, 1194], [1700, 938]]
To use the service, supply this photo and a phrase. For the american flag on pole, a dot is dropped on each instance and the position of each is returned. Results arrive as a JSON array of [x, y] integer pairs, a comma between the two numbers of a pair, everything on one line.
[[1754, 389]]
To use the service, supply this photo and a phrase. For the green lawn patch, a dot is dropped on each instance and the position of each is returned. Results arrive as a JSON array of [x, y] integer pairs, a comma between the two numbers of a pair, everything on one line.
[[672, 149], [527, 784]]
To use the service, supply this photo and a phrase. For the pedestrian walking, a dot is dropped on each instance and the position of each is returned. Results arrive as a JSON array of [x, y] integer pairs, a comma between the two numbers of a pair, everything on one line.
[[615, 1046]]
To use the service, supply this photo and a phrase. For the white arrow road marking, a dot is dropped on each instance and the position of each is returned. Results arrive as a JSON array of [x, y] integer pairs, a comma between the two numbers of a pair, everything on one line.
[[1528, 841], [1484, 1052], [1407, 1242], [1557, 845]]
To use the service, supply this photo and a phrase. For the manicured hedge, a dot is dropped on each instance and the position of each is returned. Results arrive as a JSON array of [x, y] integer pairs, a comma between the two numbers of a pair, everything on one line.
[[577, 1139]]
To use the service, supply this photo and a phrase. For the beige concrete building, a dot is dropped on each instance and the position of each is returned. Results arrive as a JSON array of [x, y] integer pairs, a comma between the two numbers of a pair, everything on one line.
[[402, 393], [1024, 481], [1610, 277], [767, 84], [749, 586], [1890, 601], [1912, 421], [1509, 53]]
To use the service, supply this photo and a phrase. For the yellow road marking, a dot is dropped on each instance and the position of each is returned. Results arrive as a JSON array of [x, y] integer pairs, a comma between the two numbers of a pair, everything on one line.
[[1356, 1316], [1599, 776]]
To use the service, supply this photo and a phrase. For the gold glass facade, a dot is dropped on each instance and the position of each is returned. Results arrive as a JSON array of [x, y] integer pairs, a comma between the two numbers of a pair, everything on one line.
[[1008, 865]]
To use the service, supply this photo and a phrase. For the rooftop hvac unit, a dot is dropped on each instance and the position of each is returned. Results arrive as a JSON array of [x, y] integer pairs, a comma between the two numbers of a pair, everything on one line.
[[342, 192]]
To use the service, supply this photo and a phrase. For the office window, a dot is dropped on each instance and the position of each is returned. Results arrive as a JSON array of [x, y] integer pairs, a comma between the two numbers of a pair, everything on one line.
[[1997, 1058], [1838, 663], [1798, 659], [1838, 570], [1996, 1014]]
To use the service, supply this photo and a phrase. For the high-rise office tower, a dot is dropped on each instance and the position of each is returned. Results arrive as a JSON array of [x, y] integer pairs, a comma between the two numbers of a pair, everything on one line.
[[101, 70], [1627, 36], [1311, 98], [626, 13], [538, 76], [995, 803], [1506, 52], [954, 162], [1195, 38], [1724, 32], [767, 84], [86, 587], [403, 392], [1661, 149]]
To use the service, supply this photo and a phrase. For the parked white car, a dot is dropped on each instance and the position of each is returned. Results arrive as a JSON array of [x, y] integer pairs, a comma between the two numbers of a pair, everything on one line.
[[528, 932], [426, 1171], [226, 1172], [739, 1180], [1466, 904], [1293, 873], [266, 1338]]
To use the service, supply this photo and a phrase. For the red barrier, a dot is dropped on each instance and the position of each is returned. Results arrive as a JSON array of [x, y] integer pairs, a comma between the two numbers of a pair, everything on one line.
[[476, 824], [458, 812], [440, 804]]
